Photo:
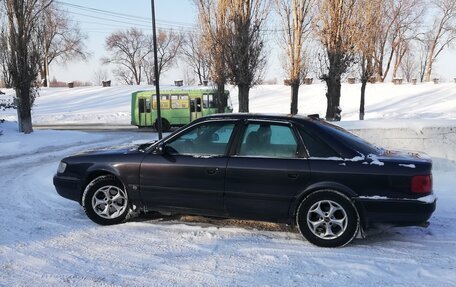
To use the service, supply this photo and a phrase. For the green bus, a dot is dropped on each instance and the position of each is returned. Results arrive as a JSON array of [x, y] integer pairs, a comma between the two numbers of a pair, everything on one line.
[[178, 106]]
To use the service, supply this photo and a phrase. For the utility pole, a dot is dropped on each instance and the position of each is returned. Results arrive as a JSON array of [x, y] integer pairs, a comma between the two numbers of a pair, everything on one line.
[[157, 80]]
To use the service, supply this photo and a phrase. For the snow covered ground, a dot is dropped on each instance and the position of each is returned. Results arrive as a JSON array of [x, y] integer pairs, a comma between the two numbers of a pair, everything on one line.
[[46, 240], [97, 105]]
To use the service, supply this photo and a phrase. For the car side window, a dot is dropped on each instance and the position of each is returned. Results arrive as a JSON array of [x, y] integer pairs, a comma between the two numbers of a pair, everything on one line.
[[204, 139], [316, 147], [269, 140]]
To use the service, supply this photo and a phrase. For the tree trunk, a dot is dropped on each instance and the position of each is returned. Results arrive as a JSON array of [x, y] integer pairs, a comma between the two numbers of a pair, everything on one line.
[[243, 97], [220, 98], [46, 72], [333, 109], [294, 97], [428, 71], [388, 64], [25, 115], [379, 69], [400, 52], [44, 82], [363, 95]]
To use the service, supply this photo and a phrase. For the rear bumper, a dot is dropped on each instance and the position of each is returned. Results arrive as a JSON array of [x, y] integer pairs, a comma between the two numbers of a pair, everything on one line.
[[396, 211], [68, 187]]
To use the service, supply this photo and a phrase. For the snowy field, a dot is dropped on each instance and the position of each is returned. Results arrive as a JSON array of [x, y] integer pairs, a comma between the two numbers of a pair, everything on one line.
[[97, 105], [46, 240]]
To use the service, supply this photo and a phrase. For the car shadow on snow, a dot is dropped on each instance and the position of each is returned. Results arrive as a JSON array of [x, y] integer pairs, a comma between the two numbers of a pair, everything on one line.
[[374, 235]]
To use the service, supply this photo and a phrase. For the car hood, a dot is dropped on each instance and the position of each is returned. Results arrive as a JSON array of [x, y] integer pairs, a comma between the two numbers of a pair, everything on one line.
[[111, 151]]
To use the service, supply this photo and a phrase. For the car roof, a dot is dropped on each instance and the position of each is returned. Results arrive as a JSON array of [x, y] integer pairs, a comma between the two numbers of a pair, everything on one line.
[[345, 143], [261, 116]]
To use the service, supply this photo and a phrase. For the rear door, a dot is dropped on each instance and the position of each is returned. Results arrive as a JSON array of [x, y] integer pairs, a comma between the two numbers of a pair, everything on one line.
[[195, 108], [267, 171]]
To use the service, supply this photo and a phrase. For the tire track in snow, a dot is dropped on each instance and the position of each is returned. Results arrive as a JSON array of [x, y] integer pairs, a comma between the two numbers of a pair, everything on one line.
[[49, 241]]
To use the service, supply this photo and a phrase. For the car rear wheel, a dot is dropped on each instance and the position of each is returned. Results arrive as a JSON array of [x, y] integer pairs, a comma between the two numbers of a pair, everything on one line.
[[105, 201], [327, 218]]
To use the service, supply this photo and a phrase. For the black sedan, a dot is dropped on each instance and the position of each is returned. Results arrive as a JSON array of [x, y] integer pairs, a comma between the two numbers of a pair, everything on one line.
[[287, 169]]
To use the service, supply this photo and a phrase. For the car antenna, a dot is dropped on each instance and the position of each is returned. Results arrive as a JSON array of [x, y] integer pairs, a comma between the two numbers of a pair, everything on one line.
[[314, 116]]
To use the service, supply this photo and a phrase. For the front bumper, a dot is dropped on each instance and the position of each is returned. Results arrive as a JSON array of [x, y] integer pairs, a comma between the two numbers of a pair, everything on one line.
[[68, 187], [396, 211]]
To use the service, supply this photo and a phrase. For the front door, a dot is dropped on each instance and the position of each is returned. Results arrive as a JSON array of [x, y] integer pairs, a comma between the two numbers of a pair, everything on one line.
[[267, 172], [144, 112], [190, 175], [195, 109]]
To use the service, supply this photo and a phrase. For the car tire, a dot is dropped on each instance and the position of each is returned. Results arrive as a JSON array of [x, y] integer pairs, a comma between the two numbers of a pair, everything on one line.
[[166, 126], [327, 218], [105, 201]]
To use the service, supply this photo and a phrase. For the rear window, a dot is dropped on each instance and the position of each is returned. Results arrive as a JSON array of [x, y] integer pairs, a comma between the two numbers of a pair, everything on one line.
[[316, 147], [355, 142]]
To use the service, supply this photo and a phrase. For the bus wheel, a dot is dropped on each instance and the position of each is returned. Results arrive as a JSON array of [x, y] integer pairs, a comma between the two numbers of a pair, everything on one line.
[[166, 126]]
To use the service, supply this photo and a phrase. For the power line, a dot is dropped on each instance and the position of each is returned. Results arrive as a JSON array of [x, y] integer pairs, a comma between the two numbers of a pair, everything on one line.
[[106, 19], [125, 16]]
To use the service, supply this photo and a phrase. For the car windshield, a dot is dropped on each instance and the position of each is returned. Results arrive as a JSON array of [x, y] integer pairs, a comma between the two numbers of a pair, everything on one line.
[[356, 142]]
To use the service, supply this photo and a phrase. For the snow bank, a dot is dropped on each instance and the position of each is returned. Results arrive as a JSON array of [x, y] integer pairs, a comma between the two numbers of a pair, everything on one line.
[[433, 138], [383, 100], [13, 143]]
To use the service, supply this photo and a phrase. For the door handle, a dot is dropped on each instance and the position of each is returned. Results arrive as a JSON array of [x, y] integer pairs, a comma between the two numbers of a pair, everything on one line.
[[293, 175], [212, 170]]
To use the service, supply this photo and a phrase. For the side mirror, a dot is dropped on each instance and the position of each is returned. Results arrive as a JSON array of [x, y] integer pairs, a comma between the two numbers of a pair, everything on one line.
[[160, 149]]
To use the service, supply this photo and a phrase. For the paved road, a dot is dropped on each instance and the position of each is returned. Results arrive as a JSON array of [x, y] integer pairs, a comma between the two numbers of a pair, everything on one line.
[[93, 127]]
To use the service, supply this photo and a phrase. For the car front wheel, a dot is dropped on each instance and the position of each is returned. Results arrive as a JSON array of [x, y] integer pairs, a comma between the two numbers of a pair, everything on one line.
[[105, 201], [327, 218]]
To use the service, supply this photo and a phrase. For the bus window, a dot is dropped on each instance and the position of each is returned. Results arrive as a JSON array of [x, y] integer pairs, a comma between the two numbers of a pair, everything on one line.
[[205, 101], [147, 105], [208, 101], [211, 101], [175, 102], [164, 104], [179, 101], [198, 105]]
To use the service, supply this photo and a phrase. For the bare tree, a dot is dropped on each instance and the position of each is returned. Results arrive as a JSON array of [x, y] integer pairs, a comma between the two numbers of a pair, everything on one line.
[[128, 50], [423, 54], [194, 53], [400, 51], [409, 66], [189, 76], [296, 16], [443, 32], [61, 40], [400, 21], [213, 19], [4, 58], [337, 28], [169, 44], [99, 76], [124, 75], [369, 23], [24, 54], [245, 55]]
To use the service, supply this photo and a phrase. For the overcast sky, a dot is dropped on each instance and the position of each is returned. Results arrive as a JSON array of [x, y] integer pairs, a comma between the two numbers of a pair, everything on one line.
[[176, 14]]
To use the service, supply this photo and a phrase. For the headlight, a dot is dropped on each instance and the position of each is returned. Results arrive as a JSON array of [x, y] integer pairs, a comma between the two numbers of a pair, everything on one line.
[[62, 167]]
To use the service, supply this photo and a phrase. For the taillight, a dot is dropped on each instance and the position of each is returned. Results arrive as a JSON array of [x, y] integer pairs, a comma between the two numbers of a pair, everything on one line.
[[421, 184]]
